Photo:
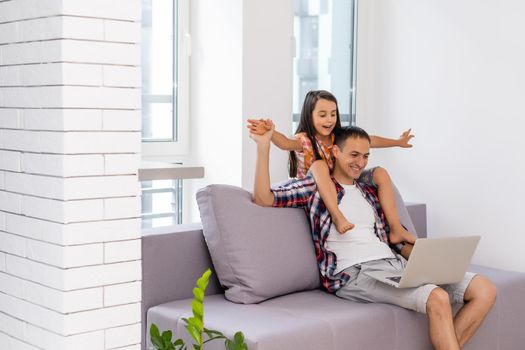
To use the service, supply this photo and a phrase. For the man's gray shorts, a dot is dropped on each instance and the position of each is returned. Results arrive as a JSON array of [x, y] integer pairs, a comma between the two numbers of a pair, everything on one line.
[[363, 288]]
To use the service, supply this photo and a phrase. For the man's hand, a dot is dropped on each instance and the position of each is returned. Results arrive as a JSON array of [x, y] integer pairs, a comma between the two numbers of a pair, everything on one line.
[[404, 139], [264, 138], [260, 126]]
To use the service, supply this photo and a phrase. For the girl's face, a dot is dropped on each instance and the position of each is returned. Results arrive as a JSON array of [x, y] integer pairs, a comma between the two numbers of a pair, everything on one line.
[[324, 117]]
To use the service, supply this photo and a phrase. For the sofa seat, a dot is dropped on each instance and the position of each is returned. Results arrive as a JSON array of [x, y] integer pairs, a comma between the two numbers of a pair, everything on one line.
[[317, 320]]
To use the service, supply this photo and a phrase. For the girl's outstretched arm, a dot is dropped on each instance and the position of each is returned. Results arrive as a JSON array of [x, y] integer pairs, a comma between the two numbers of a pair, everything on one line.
[[261, 126], [383, 142], [286, 143]]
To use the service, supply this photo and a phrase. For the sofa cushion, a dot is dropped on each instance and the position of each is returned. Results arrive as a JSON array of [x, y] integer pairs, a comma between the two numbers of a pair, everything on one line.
[[318, 320], [258, 253]]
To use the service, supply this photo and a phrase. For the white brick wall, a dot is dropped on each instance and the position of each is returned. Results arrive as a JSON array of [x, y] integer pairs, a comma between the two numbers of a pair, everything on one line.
[[120, 294], [62, 119], [122, 251], [70, 253], [122, 336]]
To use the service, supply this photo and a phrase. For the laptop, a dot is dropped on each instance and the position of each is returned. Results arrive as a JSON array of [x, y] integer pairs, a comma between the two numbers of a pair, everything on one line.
[[433, 260]]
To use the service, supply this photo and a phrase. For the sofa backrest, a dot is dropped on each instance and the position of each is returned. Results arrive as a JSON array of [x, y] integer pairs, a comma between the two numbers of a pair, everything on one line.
[[260, 253]]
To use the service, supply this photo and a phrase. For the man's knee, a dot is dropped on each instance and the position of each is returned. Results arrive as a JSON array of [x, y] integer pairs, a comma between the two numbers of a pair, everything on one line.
[[481, 288], [438, 301]]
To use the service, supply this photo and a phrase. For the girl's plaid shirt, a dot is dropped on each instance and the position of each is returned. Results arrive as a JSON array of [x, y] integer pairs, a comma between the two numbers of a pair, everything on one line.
[[302, 193]]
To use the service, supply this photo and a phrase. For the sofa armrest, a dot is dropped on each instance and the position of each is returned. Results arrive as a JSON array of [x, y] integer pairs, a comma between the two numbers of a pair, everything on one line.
[[173, 258]]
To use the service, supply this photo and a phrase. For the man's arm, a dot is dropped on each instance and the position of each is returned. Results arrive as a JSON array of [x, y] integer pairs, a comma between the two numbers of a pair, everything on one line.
[[261, 186]]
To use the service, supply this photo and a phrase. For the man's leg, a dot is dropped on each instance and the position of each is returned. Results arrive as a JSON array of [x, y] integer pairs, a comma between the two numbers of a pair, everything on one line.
[[328, 193], [479, 298], [429, 299], [388, 203], [440, 322]]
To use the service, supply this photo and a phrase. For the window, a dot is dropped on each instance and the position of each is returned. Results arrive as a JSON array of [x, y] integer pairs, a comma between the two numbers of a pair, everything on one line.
[[161, 203], [325, 34], [165, 57], [165, 75]]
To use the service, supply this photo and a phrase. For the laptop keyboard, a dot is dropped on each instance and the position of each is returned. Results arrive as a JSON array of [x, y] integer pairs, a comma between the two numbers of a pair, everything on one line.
[[395, 279]]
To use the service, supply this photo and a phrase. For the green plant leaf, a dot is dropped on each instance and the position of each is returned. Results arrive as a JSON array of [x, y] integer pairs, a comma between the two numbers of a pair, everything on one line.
[[194, 333], [198, 309], [239, 338], [179, 342], [157, 342], [196, 347], [212, 333], [154, 330], [198, 294], [202, 282], [197, 323], [237, 343], [166, 336]]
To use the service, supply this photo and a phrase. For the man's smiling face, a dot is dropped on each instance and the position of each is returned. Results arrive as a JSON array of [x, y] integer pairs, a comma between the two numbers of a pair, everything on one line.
[[351, 159]]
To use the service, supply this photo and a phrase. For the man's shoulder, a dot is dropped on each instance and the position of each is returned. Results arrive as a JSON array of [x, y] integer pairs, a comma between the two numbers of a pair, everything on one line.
[[368, 188]]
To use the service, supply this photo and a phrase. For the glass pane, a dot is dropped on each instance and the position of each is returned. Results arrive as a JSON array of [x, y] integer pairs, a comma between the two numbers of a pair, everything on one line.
[[161, 203], [159, 74], [324, 32]]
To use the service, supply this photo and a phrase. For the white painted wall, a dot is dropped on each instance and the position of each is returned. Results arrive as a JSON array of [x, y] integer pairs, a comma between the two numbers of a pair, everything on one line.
[[216, 95], [267, 78], [241, 66], [453, 71], [70, 254]]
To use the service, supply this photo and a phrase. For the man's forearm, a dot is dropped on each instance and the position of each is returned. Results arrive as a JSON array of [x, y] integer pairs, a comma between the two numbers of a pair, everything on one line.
[[261, 189]]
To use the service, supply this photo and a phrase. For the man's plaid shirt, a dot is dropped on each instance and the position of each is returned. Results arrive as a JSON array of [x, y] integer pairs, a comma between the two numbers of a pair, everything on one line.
[[302, 193]]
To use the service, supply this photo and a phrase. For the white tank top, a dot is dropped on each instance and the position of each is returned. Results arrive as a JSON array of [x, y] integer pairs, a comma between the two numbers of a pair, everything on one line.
[[360, 244]]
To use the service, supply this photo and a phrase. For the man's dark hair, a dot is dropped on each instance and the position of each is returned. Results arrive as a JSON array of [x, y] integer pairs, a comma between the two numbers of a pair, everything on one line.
[[347, 132]]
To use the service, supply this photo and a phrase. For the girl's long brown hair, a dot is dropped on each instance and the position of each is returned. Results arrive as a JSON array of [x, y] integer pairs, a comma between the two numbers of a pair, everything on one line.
[[306, 124]]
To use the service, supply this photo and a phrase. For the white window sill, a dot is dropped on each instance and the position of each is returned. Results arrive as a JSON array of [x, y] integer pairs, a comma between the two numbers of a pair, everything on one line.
[[156, 170]]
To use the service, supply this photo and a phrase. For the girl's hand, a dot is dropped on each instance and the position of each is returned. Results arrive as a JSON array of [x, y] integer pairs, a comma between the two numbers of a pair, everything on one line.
[[259, 126], [264, 138], [404, 139]]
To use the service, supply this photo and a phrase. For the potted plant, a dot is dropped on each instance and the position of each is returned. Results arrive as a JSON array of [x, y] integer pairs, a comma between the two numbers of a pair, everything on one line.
[[195, 326]]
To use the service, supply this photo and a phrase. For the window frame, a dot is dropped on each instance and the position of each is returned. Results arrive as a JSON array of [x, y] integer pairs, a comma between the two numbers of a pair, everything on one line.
[[352, 88], [181, 146]]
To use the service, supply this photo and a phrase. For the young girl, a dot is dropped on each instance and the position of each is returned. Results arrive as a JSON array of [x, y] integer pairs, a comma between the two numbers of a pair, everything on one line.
[[311, 150]]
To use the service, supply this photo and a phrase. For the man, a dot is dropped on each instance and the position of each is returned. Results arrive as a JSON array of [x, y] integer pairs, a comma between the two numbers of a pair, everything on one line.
[[343, 258]]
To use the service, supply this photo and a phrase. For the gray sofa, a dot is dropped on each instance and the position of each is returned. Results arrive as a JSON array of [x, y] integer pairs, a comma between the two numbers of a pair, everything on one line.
[[299, 315]]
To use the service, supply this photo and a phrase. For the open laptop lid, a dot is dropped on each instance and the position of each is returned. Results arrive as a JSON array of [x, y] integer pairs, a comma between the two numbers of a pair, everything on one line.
[[439, 260]]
